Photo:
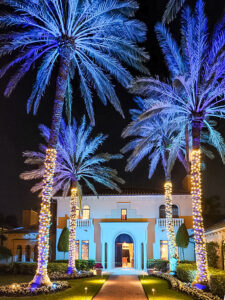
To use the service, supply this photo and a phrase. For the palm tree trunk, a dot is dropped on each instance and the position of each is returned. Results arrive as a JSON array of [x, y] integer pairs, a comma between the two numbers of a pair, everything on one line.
[[196, 193], [41, 277], [173, 251], [72, 239]]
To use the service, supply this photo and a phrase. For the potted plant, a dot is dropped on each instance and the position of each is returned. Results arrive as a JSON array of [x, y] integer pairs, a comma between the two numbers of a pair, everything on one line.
[[98, 267]]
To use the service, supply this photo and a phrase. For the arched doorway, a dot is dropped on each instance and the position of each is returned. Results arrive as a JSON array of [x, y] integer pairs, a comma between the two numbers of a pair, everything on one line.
[[124, 251]]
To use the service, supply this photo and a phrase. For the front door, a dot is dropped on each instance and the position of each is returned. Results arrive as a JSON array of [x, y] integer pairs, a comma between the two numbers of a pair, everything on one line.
[[124, 251]]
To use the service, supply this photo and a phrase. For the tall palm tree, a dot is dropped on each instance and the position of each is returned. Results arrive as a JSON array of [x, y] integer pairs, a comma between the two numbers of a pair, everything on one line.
[[160, 140], [77, 164], [92, 40], [196, 93]]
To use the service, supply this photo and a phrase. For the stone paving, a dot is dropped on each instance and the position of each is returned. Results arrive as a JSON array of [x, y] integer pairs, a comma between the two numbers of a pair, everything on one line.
[[121, 287]]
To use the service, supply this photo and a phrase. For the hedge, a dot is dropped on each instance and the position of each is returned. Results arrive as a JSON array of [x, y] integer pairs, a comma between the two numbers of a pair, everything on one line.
[[61, 267], [187, 273], [158, 264]]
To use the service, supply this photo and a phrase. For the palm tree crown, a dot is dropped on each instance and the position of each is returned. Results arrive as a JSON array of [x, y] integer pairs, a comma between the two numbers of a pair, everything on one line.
[[96, 37], [196, 90], [158, 138], [77, 160]]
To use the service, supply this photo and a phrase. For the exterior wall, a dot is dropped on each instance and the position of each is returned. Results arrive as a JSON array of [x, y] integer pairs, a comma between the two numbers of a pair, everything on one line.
[[23, 240], [29, 218], [142, 223], [217, 236]]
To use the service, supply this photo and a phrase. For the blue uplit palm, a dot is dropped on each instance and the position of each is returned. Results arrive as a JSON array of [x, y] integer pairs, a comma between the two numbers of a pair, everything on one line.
[[161, 139], [77, 160], [93, 41], [77, 165], [195, 92]]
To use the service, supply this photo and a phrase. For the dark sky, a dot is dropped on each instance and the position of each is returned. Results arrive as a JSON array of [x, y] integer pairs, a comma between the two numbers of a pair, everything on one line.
[[19, 132]]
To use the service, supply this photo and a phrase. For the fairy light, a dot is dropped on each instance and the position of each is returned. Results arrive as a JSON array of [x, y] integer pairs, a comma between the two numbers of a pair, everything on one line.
[[41, 277], [72, 237], [169, 220], [199, 234]]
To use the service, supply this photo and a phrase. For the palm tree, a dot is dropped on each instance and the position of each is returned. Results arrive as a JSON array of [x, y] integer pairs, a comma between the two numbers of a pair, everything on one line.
[[196, 93], [92, 40], [77, 164], [172, 9], [160, 140]]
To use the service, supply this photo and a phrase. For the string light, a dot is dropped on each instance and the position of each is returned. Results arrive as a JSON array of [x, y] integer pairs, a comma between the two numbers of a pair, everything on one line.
[[72, 237], [41, 277], [169, 220], [199, 234]]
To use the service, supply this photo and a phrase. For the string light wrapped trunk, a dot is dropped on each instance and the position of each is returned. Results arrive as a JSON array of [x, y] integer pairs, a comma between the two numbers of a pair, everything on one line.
[[41, 277], [173, 251], [72, 237], [196, 193]]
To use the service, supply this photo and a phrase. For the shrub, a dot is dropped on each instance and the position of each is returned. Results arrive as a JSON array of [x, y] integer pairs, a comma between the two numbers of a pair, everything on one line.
[[217, 284], [5, 253], [24, 268], [186, 262], [186, 272], [6, 268], [212, 254], [158, 264]]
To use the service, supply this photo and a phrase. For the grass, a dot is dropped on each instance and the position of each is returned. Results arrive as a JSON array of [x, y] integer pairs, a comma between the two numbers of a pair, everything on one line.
[[162, 290], [76, 292]]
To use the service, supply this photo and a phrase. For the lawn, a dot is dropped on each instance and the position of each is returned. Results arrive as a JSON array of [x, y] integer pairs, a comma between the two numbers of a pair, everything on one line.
[[162, 290], [76, 292]]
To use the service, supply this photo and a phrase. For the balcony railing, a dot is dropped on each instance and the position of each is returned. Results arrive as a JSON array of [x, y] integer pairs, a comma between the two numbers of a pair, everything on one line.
[[84, 222], [176, 222]]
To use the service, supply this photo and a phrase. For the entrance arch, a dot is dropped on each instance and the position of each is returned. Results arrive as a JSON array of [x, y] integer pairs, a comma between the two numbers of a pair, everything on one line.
[[124, 251]]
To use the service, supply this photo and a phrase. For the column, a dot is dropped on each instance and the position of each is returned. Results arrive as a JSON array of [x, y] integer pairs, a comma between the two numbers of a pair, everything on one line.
[[103, 254]]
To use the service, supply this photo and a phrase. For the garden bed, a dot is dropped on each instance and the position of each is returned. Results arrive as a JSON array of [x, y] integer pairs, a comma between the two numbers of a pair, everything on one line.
[[185, 288], [23, 289]]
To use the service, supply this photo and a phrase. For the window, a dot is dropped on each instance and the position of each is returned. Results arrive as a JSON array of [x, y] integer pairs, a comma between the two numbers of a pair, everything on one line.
[[175, 211], [77, 249], [19, 253], [85, 250], [162, 212], [27, 253], [164, 250], [77, 212], [35, 253], [123, 214], [86, 212]]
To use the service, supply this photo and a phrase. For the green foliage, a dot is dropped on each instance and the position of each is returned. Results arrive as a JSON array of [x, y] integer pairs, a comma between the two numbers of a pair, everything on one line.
[[182, 237], [186, 272], [217, 284], [63, 244], [212, 254], [5, 253], [158, 264], [57, 266]]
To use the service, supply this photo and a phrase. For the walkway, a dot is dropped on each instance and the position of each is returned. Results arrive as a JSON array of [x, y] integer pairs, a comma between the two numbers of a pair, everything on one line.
[[122, 287]]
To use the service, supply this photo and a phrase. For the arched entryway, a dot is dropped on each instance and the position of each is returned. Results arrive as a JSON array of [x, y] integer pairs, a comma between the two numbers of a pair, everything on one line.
[[124, 251]]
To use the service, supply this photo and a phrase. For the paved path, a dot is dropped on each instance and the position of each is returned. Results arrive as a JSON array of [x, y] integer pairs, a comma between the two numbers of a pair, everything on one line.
[[122, 287]]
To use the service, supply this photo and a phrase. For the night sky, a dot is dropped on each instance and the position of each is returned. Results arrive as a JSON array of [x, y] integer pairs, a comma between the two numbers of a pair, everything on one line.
[[19, 132]]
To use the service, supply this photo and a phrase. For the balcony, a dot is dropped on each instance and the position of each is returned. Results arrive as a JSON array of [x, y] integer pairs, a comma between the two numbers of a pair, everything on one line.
[[162, 222], [84, 222]]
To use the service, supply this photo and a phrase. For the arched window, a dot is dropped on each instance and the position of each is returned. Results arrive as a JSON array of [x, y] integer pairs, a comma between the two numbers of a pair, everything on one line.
[[86, 212], [175, 211], [27, 253], [35, 252], [162, 211], [19, 253]]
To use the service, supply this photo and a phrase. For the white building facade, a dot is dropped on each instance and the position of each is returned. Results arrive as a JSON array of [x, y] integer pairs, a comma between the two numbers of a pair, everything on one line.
[[124, 230]]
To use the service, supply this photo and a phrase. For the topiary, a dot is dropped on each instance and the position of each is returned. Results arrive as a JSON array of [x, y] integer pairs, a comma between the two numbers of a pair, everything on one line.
[[182, 238], [63, 244]]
